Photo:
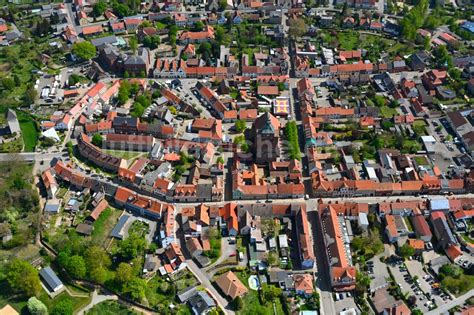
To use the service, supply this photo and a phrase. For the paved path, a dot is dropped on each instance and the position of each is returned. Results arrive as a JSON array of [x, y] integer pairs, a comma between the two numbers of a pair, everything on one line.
[[96, 299], [457, 301], [203, 278]]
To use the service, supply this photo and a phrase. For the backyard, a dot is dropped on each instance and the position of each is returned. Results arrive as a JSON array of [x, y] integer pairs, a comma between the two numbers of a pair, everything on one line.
[[104, 225], [29, 131], [127, 155], [251, 301], [110, 308], [373, 43], [388, 112], [215, 240], [20, 303]]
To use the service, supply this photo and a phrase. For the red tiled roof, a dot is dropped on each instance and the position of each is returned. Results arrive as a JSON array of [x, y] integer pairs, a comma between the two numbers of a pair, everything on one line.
[[93, 29], [103, 204], [122, 194], [268, 90]]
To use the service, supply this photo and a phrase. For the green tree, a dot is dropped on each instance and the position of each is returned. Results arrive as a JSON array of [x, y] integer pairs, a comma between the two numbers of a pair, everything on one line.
[[443, 57], [76, 267], [124, 273], [23, 278], [205, 49], [414, 19], [132, 246], [173, 110], [84, 50], [136, 289], [240, 141], [133, 44], [270, 292], [298, 28], [99, 8], [97, 261], [222, 5], [124, 92], [379, 100], [198, 26], [362, 282], [406, 251], [450, 270], [97, 140], [238, 303], [30, 96], [152, 42], [96, 256], [36, 307], [63, 307], [98, 274], [240, 125], [455, 74], [8, 84], [416, 312], [120, 9], [272, 259]]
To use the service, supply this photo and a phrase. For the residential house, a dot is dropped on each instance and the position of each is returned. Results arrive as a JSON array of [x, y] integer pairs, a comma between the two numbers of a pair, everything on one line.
[[303, 284], [231, 286]]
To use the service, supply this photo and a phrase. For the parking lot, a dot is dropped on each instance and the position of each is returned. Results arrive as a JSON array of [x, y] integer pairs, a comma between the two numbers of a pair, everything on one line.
[[407, 285], [416, 268], [378, 273], [445, 150], [344, 302]]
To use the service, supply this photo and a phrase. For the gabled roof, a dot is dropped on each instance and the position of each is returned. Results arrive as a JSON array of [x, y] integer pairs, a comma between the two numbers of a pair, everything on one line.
[[230, 285]]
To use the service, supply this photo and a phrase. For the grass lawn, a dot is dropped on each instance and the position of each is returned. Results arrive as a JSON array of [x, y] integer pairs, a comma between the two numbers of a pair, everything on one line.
[[104, 225], [110, 308], [408, 224], [127, 155], [159, 25], [215, 240], [78, 302], [421, 160], [61, 192], [467, 238], [14, 146], [387, 112], [348, 40], [159, 291], [252, 305], [28, 130], [419, 127], [459, 286]]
